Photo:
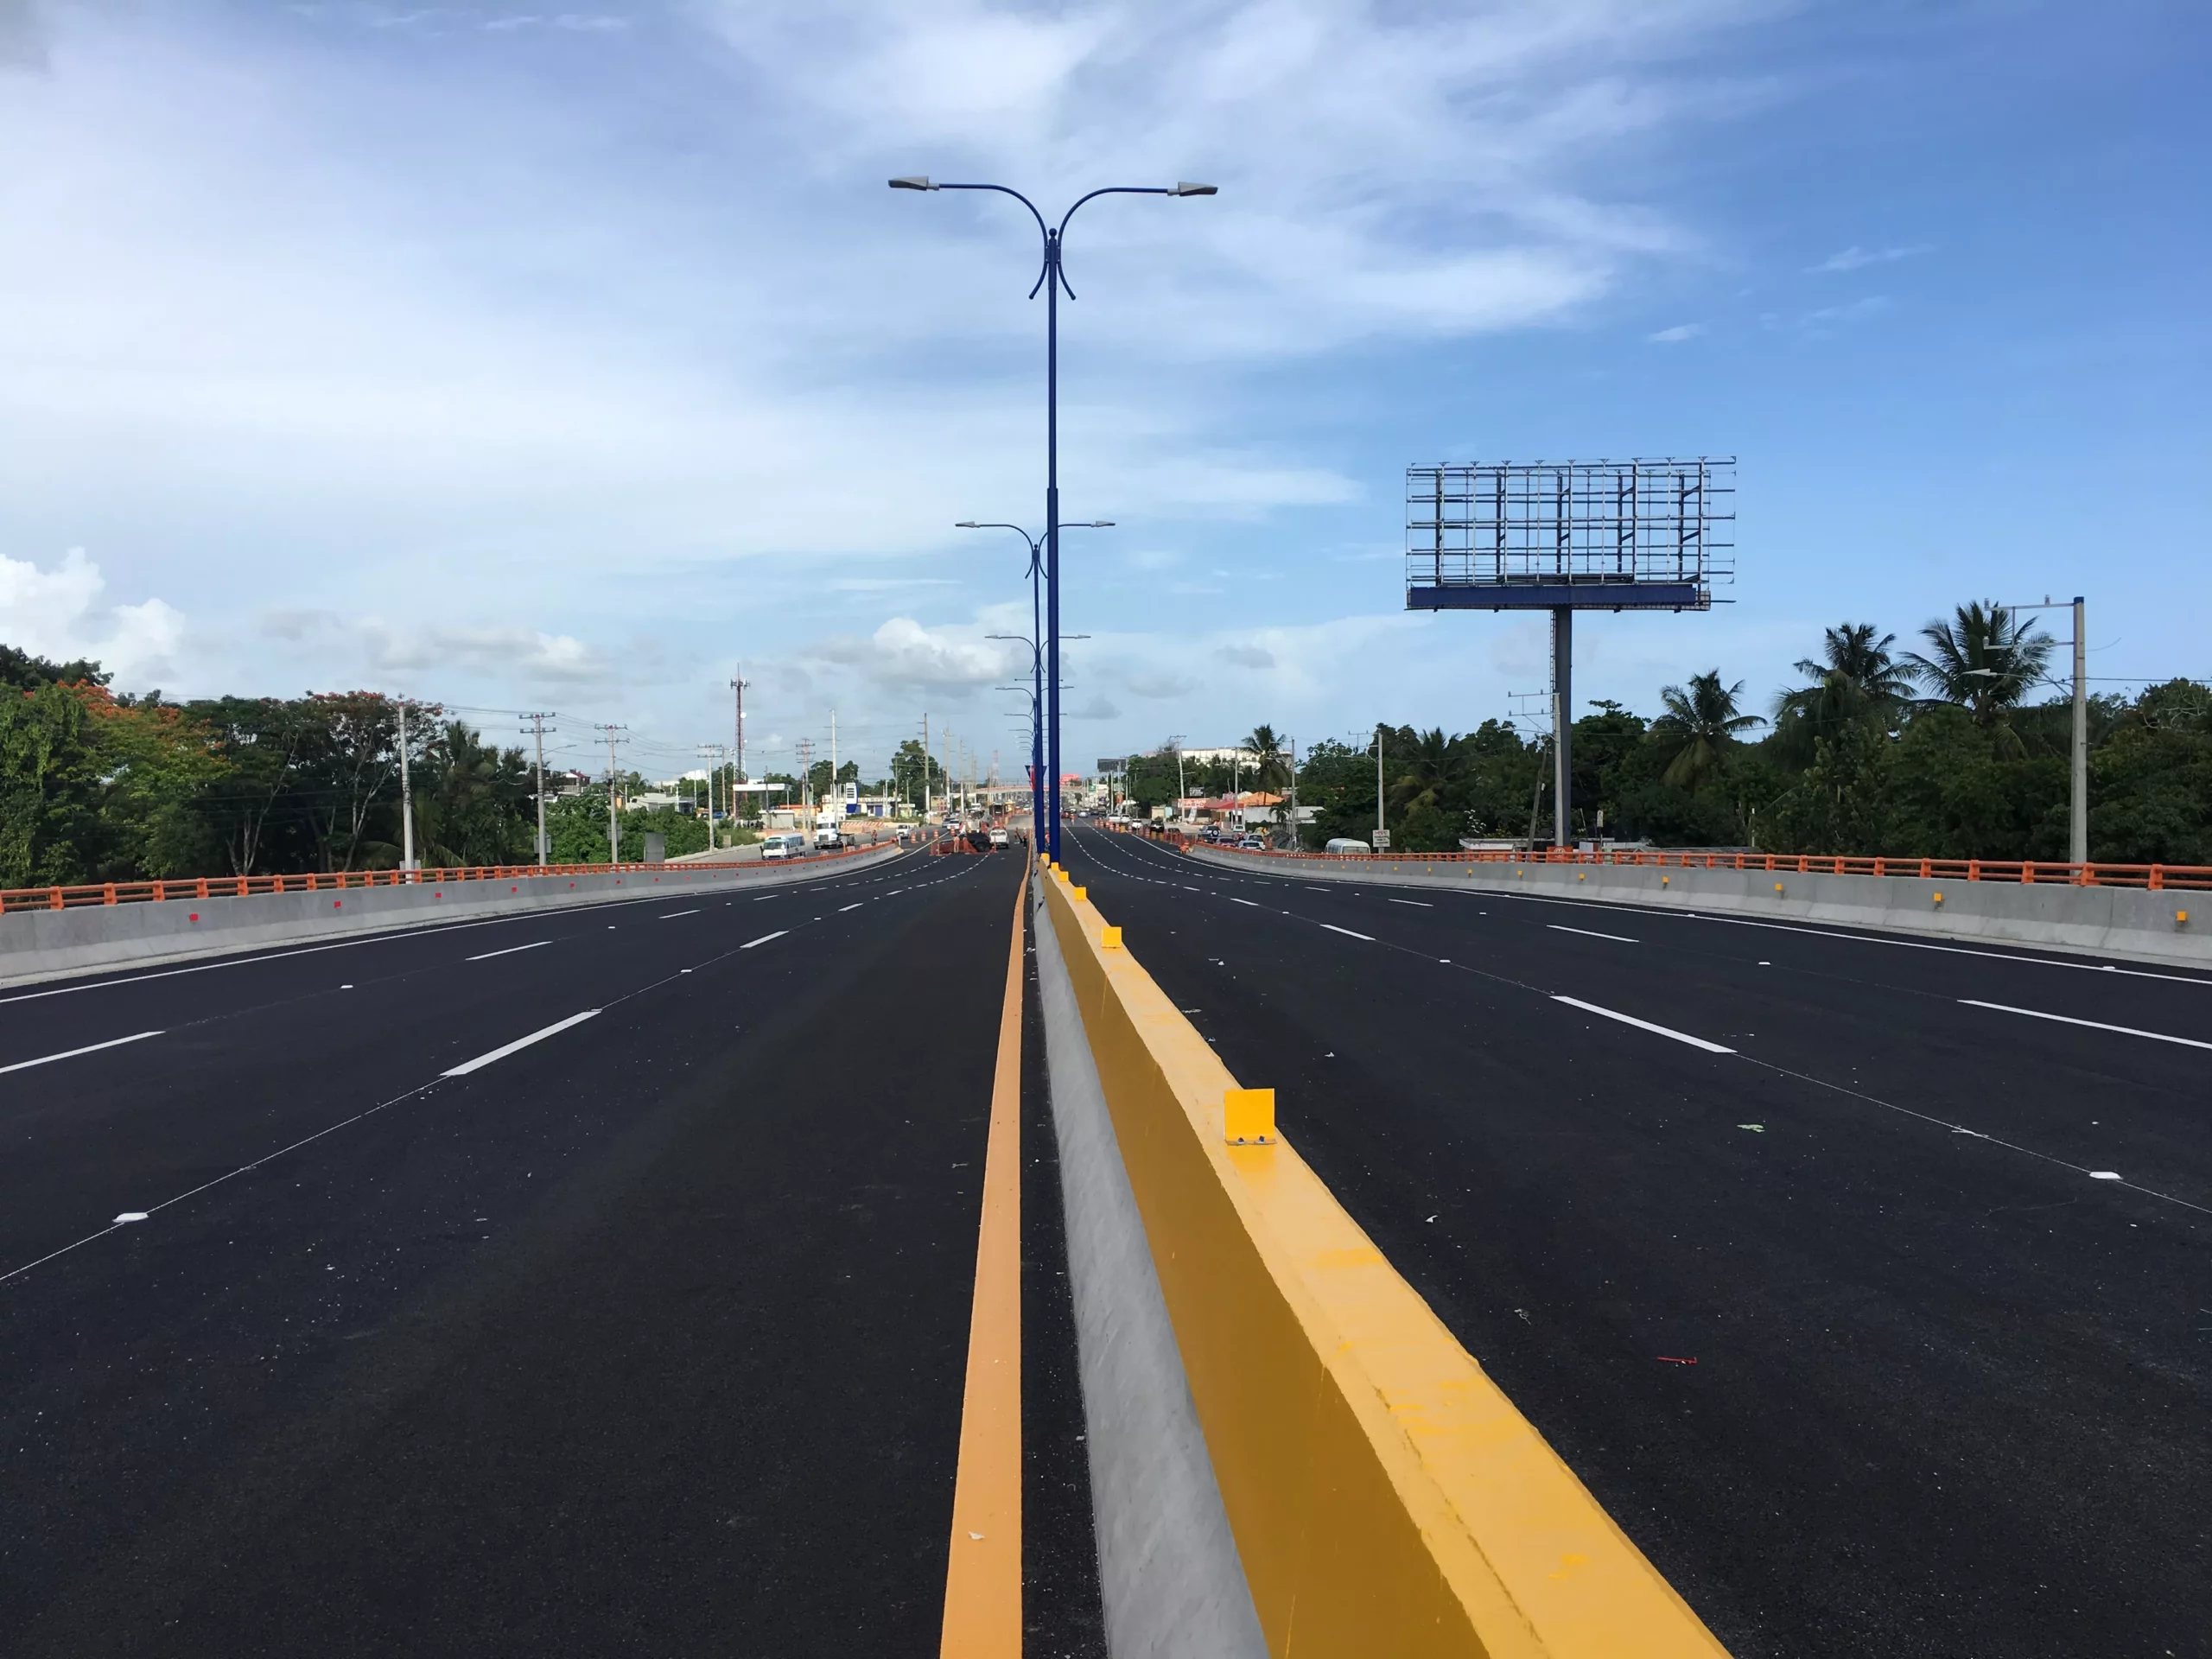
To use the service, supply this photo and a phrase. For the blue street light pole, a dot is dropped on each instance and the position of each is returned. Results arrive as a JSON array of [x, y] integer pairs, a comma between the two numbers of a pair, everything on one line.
[[1033, 639], [1053, 279]]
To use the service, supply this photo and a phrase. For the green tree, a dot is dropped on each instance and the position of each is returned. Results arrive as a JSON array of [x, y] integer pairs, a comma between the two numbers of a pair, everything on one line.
[[1855, 678], [474, 806], [50, 787], [1983, 659], [1699, 729]]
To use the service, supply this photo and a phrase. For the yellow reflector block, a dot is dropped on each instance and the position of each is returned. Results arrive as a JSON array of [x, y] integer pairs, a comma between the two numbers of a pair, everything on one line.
[[1078, 892], [1247, 1117], [1109, 938]]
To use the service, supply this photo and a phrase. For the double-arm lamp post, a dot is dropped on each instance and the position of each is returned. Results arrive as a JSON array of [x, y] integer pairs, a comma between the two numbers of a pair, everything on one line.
[[1034, 639], [1053, 279], [1036, 720]]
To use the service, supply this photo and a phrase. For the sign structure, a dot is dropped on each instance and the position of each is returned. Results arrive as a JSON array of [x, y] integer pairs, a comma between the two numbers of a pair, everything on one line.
[[1568, 536], [1590, 535]]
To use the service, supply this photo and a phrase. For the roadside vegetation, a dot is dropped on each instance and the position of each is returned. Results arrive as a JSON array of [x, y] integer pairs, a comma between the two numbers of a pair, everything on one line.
[[1958, 749]]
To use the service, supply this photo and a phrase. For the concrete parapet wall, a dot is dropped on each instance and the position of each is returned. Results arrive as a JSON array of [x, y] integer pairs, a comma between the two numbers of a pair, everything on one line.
[[41, 945], [1385, 1496], [2130, 923]]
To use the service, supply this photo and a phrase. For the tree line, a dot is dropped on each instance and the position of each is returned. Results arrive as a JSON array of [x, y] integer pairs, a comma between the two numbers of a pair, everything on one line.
[[1958, 749], [101, 786]]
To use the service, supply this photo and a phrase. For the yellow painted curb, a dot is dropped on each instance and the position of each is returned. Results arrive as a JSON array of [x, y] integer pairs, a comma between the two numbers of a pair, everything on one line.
[[982, 1578], [1386, 1497]]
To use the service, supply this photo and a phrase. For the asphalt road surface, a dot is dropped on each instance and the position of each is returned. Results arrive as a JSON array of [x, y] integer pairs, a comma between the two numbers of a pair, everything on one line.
[[1864, 1280], [590, 1283]]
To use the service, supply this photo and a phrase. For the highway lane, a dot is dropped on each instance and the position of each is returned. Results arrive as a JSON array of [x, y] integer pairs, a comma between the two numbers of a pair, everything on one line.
[[145, 1114], [1948, 1394], [646, 1333]]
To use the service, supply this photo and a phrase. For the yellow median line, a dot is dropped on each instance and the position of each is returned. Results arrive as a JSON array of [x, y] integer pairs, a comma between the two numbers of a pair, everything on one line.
[[982, 1578], [1386, 1497]]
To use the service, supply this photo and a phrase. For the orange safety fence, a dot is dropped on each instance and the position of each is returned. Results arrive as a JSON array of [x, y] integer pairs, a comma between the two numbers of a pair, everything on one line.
[[2156, 877], [240, 887]]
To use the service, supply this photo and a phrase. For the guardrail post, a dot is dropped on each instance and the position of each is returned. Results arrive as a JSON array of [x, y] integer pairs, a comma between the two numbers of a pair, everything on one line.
[[2158, 878], [2027, 872], [57, 899]]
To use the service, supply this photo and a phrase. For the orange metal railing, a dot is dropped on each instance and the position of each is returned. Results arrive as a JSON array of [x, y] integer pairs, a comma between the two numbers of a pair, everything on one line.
[[239, 886]]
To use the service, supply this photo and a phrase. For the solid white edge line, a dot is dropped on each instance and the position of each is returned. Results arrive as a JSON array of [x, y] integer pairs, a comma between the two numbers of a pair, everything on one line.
[[2093, 1025], [1591, 933], [1234, 899], [509, 951], [764, 938], [71, 1053], [1348, 933], [520, 1043], [1644, 1024]]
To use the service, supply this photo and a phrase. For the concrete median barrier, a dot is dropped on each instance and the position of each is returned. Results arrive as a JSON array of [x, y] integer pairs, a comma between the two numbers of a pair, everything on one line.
[[42, 945], [1385, 1496], [2173, 926]]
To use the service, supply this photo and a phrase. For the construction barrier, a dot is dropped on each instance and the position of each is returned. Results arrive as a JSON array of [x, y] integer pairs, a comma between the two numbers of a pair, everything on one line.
[[1385, 1496]]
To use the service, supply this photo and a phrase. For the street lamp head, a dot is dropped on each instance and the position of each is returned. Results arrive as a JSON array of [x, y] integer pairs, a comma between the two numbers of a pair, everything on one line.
[[1091, 523], [1179, 190], [967, 523], [919, 182]]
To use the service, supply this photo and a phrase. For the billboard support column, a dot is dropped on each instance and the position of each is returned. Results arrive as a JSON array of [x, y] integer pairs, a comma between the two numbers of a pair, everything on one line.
[[1562, 726]]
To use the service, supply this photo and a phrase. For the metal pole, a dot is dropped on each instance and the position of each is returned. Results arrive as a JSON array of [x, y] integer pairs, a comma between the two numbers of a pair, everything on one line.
[[1036, 702], [406, 797], [1379, 827], [538, 728], [1052, 533], [2077, 827], [1562, 742]]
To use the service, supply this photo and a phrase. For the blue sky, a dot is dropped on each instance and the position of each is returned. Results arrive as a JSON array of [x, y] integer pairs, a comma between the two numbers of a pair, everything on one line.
[[559, 359]]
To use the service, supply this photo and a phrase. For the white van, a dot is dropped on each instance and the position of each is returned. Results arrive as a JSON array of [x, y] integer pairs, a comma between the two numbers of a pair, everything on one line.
[[1346, 844], [791, 844]]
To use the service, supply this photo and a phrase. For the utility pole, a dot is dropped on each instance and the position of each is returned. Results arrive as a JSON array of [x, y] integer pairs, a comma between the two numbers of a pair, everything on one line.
[[807, 778], [613, 825], [536, 728], [1297, 840], [738, 686], [2077, 816], [406, 796], [719, 755], [926, 758], [836, 788], [1382, 833]]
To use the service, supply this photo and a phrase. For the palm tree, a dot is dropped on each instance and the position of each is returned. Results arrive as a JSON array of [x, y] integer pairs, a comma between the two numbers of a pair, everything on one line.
[[1984, 660], [1858, 680], [1269, 770], [470, 805], [1699, 729]]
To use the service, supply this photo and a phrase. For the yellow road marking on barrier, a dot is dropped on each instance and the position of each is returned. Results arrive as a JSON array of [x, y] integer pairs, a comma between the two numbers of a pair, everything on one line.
[[982, 1578], [1386, 1497]]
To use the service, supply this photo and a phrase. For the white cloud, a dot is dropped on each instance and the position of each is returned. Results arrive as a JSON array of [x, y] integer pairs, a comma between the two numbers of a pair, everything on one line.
[[1246, 656], [60, 613], [1679, 332], [1858, 258], [902, 654]]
